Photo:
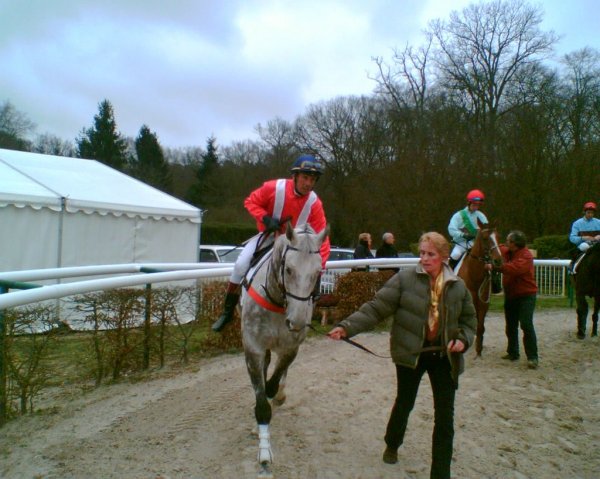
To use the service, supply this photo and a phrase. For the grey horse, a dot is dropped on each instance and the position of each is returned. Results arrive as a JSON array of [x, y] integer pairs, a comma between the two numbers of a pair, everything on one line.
[[276, 310]]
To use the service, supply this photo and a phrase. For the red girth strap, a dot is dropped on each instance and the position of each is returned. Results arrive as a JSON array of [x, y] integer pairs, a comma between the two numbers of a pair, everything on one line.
[[263, 301]]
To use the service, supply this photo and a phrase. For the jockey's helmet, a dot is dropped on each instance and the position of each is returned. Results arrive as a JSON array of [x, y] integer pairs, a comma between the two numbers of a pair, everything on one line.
[[590, 205], [307, 164], [475, 195]]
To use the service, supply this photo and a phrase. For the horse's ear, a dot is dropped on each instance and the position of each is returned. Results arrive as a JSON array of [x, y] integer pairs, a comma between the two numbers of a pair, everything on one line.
[[323, 234], [480, 224], [289, 231]]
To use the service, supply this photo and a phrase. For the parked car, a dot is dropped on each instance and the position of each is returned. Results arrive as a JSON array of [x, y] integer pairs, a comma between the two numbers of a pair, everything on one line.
[[340, 254], [211, 253], [328, 278]]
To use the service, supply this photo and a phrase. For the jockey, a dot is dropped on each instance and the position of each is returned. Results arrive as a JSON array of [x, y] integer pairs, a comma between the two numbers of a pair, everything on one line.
[[585, 230], [275, 200], [463, 225]]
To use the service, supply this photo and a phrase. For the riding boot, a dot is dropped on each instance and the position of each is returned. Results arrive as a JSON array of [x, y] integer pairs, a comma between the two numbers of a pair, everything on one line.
[[231, 299]]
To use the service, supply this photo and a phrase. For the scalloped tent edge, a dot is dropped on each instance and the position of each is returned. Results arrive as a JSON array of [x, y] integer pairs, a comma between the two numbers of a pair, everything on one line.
[[58, 211]]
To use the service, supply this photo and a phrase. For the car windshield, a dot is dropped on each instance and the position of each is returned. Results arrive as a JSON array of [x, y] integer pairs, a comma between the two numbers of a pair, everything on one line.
[[229, 255], [340, 255]]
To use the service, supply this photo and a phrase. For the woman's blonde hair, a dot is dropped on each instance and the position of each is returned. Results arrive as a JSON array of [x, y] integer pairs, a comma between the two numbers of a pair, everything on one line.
[[439, 242]]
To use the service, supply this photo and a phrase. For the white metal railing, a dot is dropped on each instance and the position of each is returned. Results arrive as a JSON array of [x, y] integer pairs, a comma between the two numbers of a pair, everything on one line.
[[552, 277]]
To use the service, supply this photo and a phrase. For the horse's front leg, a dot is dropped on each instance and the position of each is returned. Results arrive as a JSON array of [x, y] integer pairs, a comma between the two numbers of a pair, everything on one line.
[[481, 311], [582, 312], [257, 364], [276, 384]]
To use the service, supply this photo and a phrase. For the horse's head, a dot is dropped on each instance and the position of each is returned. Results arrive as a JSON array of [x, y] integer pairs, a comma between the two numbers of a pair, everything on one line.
[[297, 261], [486, 244]]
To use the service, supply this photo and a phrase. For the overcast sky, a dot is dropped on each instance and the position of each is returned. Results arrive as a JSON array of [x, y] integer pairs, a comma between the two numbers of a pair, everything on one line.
[[190, 69]]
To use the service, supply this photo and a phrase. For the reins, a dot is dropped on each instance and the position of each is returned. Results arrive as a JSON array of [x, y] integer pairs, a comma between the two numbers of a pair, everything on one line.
[[425, 349]]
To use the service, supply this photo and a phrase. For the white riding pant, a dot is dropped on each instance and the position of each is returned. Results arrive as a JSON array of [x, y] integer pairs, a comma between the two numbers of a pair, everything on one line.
[[459, 249], [583, 246], [242, 264]]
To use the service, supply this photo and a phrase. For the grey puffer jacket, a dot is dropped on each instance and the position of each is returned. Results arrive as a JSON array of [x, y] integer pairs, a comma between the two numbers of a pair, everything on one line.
[[406, 296]]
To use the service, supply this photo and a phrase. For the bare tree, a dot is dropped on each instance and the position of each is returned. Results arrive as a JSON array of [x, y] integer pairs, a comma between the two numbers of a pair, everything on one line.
[[52, 145], [581, 93], [405, 84], [14, 128], [482, 48]]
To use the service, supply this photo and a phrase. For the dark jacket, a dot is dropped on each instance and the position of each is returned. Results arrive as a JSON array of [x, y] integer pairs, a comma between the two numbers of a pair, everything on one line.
[[406, 296], [518, 273], [386, 250], [362, 251]]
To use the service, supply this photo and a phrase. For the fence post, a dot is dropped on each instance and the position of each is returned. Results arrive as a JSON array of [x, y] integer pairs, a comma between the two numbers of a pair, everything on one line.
[[3, 374], [147, 322]]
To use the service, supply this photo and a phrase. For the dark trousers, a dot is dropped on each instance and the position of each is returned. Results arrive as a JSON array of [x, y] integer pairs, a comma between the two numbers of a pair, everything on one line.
[[519, 311], [438, 370]]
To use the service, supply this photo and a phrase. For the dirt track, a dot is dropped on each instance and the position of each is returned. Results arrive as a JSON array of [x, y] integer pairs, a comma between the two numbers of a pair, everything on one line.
[[511, 422]]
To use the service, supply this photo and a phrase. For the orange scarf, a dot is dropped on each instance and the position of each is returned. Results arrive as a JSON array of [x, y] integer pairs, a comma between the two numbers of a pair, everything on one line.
[[433, 322]]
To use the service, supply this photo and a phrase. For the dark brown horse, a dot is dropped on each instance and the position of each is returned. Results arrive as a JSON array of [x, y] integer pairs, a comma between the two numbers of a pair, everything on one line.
[[587, 283], [472, 270]]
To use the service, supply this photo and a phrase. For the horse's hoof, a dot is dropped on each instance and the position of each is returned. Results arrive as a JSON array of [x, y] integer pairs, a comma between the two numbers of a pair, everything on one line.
[[265, 470], [277, 401]]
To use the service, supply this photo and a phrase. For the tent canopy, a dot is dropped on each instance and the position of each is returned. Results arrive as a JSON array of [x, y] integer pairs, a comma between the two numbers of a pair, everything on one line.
[[46, 181], [59, 212]]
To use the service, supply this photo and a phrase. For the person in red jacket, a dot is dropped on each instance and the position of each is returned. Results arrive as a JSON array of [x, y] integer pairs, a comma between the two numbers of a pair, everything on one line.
[[271, 205], [520, 291]]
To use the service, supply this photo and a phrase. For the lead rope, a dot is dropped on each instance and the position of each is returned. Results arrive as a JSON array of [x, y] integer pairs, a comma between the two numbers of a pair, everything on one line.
[[425, 349]]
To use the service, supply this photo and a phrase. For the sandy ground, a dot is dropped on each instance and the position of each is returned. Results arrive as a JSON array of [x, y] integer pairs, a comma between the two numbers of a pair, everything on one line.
[[511, 422]]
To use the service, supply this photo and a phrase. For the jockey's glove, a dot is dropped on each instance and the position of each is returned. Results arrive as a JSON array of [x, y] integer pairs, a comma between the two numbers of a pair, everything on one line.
[[271, 224], [468, 236]]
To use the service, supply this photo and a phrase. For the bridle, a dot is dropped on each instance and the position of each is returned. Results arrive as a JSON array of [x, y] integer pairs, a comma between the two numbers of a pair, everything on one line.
[[487, 249], [487, 258], [281, 280]]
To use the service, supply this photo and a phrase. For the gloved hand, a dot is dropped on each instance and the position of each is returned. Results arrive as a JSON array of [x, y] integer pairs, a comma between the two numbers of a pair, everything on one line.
[[272, 224], [468, 236]]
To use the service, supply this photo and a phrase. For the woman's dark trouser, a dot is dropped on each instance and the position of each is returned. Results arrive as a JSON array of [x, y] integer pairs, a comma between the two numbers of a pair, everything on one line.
[[444, 390], [520, 311]]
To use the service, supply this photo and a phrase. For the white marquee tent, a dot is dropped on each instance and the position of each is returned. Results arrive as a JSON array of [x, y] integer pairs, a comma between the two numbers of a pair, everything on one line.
[[58, 212]]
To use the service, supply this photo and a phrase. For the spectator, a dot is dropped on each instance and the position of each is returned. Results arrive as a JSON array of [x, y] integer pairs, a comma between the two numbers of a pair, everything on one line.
[[363, 250], [387, 250]]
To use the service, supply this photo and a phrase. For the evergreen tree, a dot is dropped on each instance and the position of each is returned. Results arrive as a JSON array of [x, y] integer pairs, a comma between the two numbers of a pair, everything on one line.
[[102, 142], [150, 165], [208, 189]]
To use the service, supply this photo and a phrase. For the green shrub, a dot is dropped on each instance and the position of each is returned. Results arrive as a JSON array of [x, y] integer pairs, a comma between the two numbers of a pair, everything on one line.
[[227, 233], [553, 246], [357, 287]]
